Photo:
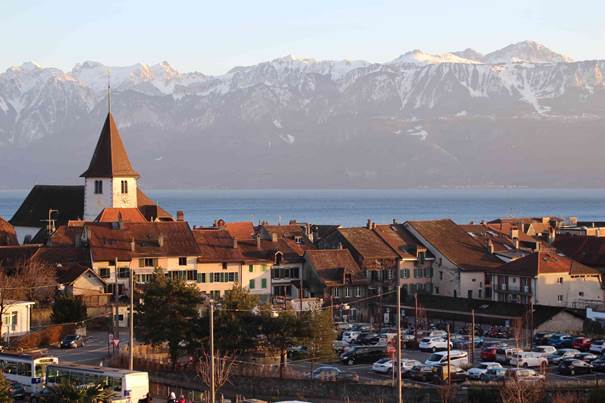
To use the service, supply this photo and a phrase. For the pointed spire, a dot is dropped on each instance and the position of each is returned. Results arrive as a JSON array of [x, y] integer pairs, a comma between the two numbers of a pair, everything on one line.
[[110, 158]]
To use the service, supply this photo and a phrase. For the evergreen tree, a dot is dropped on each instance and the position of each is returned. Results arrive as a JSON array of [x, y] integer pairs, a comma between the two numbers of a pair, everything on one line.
[[168, 312], [282, 332], [319, 326], [68, 309]]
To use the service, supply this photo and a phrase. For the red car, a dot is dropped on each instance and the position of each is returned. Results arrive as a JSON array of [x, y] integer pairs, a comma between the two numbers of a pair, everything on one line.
[[581, 343], [488, 353]]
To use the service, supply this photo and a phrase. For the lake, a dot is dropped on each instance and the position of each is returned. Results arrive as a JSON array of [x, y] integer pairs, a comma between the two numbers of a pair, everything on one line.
[[354, 207]]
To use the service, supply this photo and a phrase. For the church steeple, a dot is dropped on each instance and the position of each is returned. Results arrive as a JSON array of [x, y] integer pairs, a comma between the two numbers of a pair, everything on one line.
[[110, 158]]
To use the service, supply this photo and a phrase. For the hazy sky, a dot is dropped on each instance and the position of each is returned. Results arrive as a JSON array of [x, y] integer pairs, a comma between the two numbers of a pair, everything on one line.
[[213, 36]]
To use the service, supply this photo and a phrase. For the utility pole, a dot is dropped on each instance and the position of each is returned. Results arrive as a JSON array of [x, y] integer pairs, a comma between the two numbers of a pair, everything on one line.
[[472, 336], [131, 323], [449, 378], [399, 374], [416, 316], [212, 390]]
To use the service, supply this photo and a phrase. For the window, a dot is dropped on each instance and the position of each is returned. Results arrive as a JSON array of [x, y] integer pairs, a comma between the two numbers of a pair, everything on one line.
[[455, 294], [390, 274], [123, 272], [358, 291], [251, 284], [436, 290], [201, 277], [263, 268], [559, 298], [144, 278], [405, 273], [581, 293], [147, 262], [124, 188], [336, 292], [14, 321], [183, 261], [278, 258], [514, 280], [98, 187], [473, 280], [348, 291], [263, 283], [224, 265], [250, 268], [470, 293], [560, 280], [104, 272], [479, 293], [440, 275]]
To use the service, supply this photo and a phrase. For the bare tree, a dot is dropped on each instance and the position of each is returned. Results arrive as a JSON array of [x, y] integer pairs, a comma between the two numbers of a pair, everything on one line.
[[31, 281], [514, 391], [222, 369]]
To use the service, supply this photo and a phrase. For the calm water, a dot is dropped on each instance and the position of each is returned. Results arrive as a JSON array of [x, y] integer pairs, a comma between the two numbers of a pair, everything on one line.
[[354, 207]]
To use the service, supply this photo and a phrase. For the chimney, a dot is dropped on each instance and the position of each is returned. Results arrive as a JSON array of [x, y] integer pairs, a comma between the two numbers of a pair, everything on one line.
[[161, 240], [490, 246], [369, 225], [394, 221], [132, 244], [258, 241], [514, 233], [180, 215], [234, 243], [538, 245], [274, 237], [552, 233], [516, 243]]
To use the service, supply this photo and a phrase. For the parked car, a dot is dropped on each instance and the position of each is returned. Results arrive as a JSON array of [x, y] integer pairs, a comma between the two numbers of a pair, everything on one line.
[[499, 332], [488, 353], [385, 365], [442, 374], [561, 341], [572, 366], [581, 343], [350, 335], [544, 350], [72, 341], [527, 359], [587, 357], [421, 372], [524, 375], [481, 369], [561, 354], [298, 352], [433, 344], [362, 354], [504, 354], [367, 339], [598, 364], [463, 342], [438, 333], [540, 338], [597, 346], [328, 373], [457, 358], [494, 374]]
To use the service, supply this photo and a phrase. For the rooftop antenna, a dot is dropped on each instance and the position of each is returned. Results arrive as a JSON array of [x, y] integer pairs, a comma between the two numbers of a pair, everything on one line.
[[50, 222]]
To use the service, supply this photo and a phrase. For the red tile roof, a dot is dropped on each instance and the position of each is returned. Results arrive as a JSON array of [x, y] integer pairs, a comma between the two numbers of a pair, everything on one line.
[[367, 243], [8, 236], [240, 230], [399, 239], [332, 265], [110, 158], [545, 262], [120, 214], [455, 244], [217, 245]]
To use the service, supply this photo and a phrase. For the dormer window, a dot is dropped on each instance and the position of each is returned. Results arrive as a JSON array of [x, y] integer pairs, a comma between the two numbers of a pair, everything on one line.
[[98, 187], [124, 187], [278, 258], [298, 239]]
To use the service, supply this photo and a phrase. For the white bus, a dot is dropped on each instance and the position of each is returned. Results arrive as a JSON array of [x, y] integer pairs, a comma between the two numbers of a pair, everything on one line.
[[128, 386], [28, 369]]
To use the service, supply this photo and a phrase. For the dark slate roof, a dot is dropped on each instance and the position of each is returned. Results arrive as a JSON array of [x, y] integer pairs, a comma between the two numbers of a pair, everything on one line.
[[70, 273], [69, 200], [109, 158], [483, 309], [455, 244], [589, 250]]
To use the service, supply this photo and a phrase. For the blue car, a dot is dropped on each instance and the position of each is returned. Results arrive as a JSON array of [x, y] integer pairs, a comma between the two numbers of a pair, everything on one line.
[[561, 341]]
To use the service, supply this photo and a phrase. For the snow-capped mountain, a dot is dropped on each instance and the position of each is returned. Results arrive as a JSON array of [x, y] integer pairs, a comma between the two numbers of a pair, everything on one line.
[[523, 115]]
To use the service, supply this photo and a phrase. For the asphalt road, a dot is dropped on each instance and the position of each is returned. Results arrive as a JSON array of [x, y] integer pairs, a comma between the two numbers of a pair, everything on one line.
[[93, 352]]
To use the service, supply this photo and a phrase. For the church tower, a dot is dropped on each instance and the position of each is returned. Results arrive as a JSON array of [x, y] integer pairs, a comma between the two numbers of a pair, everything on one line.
[[110, 180]]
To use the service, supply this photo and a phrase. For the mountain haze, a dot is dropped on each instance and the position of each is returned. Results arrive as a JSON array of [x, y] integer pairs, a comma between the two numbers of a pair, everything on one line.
[[522, 115]]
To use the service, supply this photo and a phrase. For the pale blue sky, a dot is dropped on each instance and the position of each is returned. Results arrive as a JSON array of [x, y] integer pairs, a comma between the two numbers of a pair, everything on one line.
[[213, 36]]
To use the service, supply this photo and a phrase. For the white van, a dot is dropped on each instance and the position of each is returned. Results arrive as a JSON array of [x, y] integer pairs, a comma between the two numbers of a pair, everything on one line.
[[457, 358], [528, 359], [544, 350]]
